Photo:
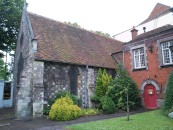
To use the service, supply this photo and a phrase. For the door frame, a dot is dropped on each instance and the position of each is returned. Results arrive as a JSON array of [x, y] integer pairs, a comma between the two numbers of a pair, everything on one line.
[[5, 102], [1, 93], [151, 82]]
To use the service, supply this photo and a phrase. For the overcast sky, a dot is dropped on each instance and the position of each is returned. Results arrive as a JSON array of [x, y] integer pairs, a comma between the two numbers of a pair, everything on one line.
[[109, 16]]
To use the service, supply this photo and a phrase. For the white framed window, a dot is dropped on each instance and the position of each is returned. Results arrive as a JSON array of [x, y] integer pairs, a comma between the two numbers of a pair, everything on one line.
[[139, 58], [167, 55]]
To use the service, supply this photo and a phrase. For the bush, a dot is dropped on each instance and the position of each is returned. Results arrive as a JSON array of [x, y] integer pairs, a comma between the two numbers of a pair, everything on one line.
[[108, 106], [89, 111], [119, 88], [96, 101], [63, 109], [102, 82], [58, 95], [170, 115], [168, 102]]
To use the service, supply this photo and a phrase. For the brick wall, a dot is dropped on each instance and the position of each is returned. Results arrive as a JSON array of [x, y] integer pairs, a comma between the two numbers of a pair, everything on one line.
[[153, 71]]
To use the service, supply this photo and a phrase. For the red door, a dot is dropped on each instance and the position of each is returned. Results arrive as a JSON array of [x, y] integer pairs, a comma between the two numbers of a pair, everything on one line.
[[150, 96]]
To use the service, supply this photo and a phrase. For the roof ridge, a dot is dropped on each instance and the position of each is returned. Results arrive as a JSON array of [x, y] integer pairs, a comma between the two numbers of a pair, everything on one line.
[[111, 38], [155, 13], [146, 33]]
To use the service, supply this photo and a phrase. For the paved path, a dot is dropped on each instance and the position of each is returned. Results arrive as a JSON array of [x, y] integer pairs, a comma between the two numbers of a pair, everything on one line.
[[45, 124]]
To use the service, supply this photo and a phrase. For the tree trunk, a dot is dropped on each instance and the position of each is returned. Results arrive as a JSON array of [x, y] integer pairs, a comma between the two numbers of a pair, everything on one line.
[[127, 106]]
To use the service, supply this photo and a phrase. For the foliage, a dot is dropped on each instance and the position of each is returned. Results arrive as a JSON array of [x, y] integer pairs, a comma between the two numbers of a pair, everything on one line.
[[4, 72], [10, 16], [73, 24], [108, 106], [170, 115], [168, 102], [102, 82], [97, 32], [96, 101], [2, 69], [152, 120], [89, 111], [119, 88], [103, 34], [64, 109], [58, 95]]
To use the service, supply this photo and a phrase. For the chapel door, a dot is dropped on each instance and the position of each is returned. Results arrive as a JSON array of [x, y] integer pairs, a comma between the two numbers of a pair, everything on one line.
[[150, 96]]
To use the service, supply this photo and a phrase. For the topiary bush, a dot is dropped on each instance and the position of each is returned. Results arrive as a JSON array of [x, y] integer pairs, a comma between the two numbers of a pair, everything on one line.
[[168, 102], [108, 106], [64, 109]]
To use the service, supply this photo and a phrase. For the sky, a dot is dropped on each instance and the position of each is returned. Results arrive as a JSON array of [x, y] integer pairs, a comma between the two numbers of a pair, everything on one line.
[[108, 16]]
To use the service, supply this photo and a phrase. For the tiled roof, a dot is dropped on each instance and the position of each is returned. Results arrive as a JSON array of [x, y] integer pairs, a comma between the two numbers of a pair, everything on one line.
[[159, 9], [152, 33], [60, 42]]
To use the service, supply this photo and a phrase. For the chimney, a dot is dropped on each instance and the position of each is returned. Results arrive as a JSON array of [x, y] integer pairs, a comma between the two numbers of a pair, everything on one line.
[[134, 33]]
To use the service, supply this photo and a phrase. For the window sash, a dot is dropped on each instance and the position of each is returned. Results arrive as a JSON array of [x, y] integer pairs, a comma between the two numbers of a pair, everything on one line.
[[139, 58], [166, 53]]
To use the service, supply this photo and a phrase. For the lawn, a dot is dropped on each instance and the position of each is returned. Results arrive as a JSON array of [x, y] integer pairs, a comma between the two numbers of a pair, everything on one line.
[[153, 120]]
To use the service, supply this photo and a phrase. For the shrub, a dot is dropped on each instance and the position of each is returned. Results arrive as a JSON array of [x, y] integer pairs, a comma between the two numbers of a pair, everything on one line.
[[119, 88], [170, 115], [89, 111], [96, 101], [168, 102], [102, 82], [108, 106], [63, 109], [58, 95]]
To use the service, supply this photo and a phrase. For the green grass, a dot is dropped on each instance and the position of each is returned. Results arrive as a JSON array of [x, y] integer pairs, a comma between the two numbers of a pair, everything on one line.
[[153, 120]]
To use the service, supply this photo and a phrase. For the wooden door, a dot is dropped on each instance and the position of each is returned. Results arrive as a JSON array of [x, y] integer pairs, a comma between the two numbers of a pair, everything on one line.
[[150, 96]]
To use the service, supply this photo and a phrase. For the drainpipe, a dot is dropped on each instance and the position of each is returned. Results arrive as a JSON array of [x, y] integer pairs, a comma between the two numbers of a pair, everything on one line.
[[85, 86], [123, 58]]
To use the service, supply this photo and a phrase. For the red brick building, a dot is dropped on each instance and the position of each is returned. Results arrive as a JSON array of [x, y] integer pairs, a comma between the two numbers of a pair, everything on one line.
[[149, 61]]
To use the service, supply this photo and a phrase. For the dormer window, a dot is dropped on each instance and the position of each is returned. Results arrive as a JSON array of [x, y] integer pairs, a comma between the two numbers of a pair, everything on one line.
[[166, 52]]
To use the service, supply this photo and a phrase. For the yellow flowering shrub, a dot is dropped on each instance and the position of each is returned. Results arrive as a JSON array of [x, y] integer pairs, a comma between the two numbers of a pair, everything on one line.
[[64, 109]]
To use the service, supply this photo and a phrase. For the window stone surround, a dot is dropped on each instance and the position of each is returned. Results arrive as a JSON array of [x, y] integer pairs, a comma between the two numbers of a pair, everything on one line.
[[132, 57], [160, 55]]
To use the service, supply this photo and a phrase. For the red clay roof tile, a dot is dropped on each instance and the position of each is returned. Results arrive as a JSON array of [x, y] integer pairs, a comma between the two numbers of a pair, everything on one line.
[[60, 42]]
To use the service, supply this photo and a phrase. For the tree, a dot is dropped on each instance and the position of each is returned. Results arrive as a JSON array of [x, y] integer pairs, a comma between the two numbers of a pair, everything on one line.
[[102, 82], [103, 34], [73, 24], [97, 32], [10, 16], [2, 69], [123, 91], [168, 103]]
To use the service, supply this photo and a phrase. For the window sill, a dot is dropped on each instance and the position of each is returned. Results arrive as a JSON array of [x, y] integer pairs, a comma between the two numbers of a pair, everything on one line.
[[168, 65], [139, 69]]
